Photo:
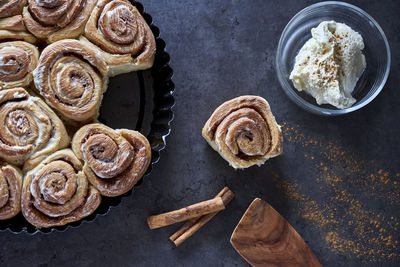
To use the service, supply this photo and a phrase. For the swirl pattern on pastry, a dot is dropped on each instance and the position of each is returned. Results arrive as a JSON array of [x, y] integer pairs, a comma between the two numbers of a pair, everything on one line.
[[57, 192], [29, 129], [115, 160], [71, 77], [17, 61], [10, 8], [122, 35], [10, 191], [244, 131], [53, 20]]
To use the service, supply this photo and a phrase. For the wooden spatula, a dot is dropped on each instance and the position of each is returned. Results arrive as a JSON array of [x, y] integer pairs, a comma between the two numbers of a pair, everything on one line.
[[264, 238]]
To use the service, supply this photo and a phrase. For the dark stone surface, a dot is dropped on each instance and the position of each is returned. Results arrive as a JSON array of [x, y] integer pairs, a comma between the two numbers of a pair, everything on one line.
[[219, 50]]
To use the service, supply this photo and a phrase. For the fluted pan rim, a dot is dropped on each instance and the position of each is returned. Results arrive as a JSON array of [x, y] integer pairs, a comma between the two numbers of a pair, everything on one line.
[[163, 102]]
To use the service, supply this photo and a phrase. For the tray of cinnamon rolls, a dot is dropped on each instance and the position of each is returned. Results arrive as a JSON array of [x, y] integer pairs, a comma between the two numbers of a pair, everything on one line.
[[85, 106]]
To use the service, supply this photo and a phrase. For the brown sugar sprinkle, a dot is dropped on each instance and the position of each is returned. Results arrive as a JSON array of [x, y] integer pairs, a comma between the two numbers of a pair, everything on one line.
[[350, 227]]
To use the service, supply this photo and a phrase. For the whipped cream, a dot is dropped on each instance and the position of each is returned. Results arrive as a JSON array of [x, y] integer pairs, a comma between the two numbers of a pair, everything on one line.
[[329, 65]]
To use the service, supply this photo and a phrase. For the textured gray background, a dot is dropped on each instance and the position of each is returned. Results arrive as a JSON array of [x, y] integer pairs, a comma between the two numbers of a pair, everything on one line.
[[219, 50]]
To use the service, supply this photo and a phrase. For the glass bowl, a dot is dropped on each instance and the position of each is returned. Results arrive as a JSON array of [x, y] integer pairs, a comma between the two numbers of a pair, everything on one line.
[[376, 51]]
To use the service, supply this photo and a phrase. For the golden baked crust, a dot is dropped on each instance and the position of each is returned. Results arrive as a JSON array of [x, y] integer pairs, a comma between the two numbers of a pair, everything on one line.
[[18, 59], [72, 78], [53, 20], [57, 192], [12, 26], [115, 160], [14, 23], [120, 33], [244, 131], [10, 191], [6, 35], [29, 129]]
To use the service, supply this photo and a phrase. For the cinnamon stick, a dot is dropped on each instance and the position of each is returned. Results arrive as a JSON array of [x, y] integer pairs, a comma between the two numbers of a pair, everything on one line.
[[193, 225], [190, 212]]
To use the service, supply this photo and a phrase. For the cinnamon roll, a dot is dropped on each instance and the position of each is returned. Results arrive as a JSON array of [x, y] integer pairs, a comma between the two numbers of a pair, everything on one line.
[[10, 191], [244, 131], [120, 33], [53, 20], [57, 192], [71, 77], [29, 129], [17, 61], [115, 160]]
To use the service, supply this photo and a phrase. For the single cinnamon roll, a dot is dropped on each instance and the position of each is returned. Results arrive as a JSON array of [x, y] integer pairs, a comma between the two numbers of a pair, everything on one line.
[[29, 129], [71, 77], [244, 131], [17, 61], [57, 192], [10, 8], [115, 160], [10, 191], [120, 33], [53, 20]]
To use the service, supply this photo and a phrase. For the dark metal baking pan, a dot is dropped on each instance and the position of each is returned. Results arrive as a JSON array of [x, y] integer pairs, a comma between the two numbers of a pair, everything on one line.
[[140, 100]]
